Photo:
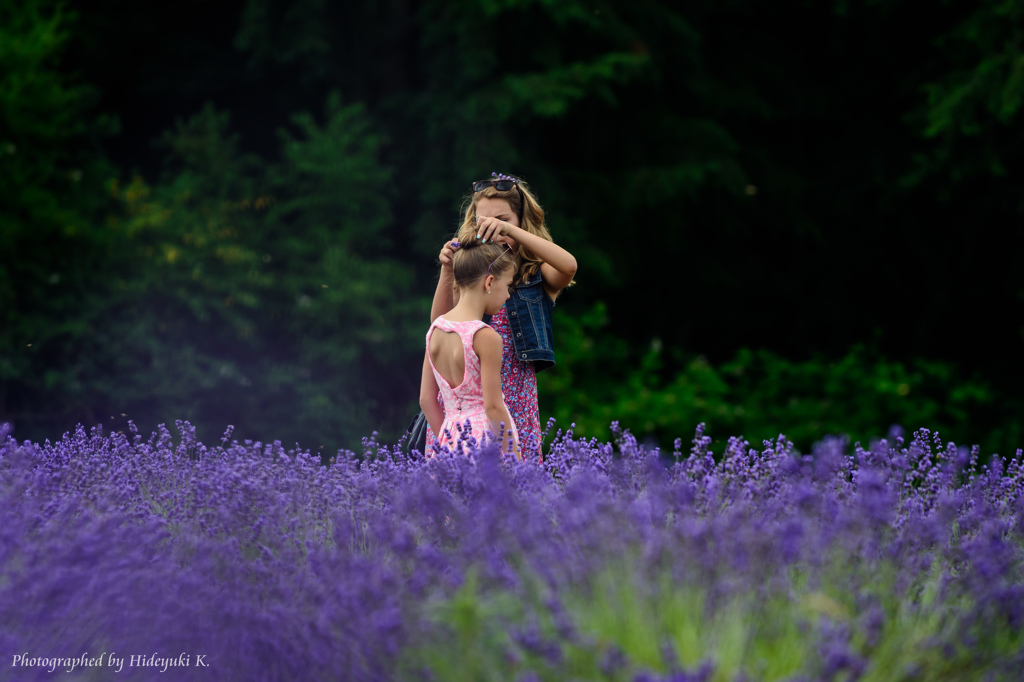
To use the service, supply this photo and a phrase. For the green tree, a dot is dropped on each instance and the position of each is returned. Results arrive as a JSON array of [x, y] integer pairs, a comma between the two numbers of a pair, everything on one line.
[[968, 121], [52, 238], [190, 283], [350, 304], [978, 99], [789, 178], [264, 296]]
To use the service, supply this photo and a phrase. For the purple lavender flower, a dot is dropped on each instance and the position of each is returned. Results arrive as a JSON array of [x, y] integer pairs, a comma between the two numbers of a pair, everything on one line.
[[282, 568]]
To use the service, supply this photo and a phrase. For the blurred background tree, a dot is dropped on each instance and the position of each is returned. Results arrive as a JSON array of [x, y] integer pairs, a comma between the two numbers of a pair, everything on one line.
[[53, 241], [790, 218]]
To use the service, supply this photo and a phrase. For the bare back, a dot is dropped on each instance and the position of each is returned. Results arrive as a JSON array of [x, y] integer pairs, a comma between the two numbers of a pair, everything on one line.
[[448, 356]]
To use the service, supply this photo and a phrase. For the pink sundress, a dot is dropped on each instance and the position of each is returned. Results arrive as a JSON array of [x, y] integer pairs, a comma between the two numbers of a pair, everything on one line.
[[464, 402]]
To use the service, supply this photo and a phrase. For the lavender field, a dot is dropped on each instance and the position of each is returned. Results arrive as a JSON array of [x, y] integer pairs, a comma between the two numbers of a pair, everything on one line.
[[248, 561]]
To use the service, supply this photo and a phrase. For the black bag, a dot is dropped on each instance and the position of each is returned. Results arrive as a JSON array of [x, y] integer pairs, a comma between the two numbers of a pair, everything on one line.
[[416, 434]]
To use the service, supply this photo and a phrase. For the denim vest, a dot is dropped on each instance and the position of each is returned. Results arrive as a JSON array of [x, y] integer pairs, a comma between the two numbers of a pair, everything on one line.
[[528, 309]]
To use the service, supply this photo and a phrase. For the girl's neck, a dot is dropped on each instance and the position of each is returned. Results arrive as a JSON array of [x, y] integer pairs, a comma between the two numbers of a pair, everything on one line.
[[471, 306]]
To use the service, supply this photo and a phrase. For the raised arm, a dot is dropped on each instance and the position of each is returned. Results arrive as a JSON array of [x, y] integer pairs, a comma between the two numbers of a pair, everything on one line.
[[445, 296], [487, 344], [559, 265]]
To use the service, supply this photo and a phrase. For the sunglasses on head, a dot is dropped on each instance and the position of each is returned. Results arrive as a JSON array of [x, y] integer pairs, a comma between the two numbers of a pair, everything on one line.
[[502, 185]]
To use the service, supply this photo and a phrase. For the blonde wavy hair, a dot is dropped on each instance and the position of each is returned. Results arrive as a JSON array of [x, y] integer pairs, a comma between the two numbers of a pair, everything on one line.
[[531, 219]]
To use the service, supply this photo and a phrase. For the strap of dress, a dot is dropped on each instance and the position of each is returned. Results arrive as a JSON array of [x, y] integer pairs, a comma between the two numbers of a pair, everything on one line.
[[469, 327], [466, 331]]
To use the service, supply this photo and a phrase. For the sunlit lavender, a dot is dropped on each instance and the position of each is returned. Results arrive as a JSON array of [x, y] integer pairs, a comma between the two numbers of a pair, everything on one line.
[[608, 561]]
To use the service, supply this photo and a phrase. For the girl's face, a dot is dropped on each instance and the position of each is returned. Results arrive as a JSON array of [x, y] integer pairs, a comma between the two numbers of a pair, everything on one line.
[[493, 207], [499, 292]]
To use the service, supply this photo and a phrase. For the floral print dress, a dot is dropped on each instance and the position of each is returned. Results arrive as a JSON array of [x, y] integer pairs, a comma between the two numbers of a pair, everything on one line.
[[519, 386]]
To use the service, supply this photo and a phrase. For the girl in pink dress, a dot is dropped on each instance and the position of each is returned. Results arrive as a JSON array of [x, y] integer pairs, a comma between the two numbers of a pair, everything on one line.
[[463, 358]]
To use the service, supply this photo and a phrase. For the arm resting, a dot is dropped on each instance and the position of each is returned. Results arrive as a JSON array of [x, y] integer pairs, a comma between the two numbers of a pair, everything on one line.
[[487, 344], [428, 398]]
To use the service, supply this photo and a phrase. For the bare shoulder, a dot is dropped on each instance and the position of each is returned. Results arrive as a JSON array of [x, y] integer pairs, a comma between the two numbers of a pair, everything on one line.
[[486, 341]]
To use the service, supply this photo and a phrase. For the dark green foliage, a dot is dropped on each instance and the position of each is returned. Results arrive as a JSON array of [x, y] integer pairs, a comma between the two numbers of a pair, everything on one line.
[[987, 91], [833, 186], [53, 240], [264, 293], [666, 392]]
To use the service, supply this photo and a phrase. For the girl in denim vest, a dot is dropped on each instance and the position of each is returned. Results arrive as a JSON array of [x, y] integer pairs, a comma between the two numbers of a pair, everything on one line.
[[502, 209]]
